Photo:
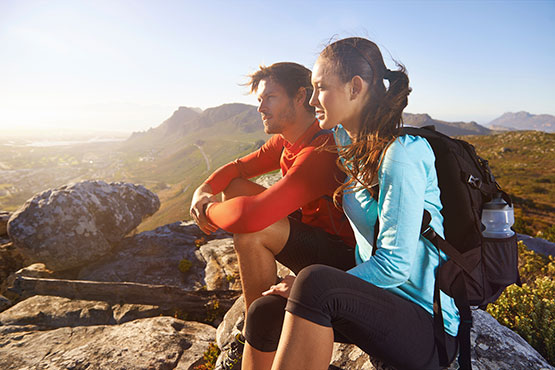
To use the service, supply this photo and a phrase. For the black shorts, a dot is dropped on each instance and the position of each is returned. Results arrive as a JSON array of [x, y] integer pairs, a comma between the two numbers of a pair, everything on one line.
[[308, 245]]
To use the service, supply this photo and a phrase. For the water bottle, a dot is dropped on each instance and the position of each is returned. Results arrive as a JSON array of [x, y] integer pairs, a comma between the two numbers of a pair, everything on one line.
[[498, 217]]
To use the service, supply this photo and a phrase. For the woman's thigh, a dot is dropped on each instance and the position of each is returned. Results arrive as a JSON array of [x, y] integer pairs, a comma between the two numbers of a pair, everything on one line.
[[379, 322]]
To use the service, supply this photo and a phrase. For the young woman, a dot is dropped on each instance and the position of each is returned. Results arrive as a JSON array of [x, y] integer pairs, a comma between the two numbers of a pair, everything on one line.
[[384, 304]]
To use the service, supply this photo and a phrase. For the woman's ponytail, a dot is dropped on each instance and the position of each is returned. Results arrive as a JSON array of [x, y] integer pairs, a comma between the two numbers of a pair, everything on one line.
[[381, 117]]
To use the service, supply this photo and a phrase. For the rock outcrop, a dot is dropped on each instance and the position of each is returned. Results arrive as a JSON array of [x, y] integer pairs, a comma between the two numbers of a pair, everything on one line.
[[177, 254], [76, 224], [113, 312], [538, 245]]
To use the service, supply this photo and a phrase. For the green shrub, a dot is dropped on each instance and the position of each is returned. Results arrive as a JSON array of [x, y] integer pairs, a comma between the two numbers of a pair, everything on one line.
[[521, 226], [530, 310], [548, 234], [209, 358], [532, 265]]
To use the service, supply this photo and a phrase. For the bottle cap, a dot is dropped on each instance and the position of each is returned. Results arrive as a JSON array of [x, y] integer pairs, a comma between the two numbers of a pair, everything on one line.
[[497, 203]]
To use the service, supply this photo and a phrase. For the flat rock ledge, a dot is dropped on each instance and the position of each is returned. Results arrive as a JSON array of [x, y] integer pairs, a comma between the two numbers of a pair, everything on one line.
[[151, 343]]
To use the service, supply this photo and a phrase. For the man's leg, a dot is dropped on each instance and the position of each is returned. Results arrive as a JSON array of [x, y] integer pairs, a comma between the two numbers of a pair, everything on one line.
[[256, 251], [256, 255]]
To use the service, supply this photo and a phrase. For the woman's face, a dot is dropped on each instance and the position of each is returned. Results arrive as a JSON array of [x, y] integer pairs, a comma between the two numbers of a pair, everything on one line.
[[331, 97]]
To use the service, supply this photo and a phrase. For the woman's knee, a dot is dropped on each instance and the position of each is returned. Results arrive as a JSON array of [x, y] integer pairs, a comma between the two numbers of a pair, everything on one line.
[[315, 278], [264, 322]]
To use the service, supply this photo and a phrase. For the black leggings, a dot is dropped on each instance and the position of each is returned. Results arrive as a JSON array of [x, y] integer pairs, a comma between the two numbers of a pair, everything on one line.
[[381, 323]]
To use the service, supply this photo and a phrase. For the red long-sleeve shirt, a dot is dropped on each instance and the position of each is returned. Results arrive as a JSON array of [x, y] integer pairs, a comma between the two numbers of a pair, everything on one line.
[[309, 175]]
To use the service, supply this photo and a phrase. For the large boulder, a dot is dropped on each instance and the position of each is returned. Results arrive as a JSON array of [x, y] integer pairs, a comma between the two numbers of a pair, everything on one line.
[[495, 346], [76, 224], [152, 343]]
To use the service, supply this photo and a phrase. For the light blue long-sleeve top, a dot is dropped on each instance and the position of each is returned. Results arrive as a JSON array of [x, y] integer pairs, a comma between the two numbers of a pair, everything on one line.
[[405, 263]]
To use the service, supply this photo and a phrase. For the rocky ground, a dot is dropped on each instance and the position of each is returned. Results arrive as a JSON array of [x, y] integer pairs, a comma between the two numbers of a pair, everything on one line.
[[155, 300]]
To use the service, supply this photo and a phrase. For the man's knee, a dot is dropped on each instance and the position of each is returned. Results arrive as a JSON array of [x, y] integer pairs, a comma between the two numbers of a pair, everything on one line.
[[243, 242], [273, 238]]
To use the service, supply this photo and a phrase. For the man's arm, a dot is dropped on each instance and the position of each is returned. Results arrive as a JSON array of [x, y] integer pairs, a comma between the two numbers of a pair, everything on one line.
[[313, 175], [263, 160]]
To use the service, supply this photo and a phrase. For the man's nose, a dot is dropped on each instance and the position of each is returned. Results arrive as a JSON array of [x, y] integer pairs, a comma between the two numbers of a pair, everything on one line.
[[261, 107]]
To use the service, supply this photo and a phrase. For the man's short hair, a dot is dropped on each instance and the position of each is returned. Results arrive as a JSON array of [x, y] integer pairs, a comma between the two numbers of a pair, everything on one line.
[[291, 76]]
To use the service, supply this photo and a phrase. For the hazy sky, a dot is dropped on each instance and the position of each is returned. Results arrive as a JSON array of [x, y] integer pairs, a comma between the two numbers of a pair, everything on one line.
[[127, 65]]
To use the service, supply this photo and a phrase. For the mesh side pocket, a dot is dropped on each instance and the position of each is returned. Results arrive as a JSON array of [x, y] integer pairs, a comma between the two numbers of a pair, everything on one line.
[[500, 259], [500, 263]]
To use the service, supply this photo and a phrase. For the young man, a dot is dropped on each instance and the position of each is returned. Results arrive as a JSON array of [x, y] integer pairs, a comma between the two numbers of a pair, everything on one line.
[[266, 222]]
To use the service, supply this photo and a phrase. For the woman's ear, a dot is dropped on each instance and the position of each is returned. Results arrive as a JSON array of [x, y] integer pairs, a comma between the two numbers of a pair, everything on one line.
[[357, 85]]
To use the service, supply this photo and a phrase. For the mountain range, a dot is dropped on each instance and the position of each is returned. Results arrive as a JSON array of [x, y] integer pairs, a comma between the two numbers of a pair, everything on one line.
[[238, 119], [524, 121], [445, 127], [244, 119]]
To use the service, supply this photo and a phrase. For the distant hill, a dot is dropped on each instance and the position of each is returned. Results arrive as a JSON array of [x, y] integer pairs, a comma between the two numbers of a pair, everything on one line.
[[525, 121], [178, 120], [241, 118], [447, 128]]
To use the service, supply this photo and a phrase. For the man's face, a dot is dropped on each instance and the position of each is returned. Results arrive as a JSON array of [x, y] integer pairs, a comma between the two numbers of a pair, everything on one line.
[[275, 106]]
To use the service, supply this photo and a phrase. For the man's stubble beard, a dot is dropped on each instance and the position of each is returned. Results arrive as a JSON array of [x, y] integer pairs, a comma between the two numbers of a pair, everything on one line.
[[280, 122]]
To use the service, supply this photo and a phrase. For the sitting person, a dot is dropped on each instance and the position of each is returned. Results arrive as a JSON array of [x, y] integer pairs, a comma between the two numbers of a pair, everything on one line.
[[384, 304], [316, 232]]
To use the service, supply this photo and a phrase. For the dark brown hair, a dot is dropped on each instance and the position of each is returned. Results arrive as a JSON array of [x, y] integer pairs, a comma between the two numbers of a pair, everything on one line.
[[382, 113], [291, 76]]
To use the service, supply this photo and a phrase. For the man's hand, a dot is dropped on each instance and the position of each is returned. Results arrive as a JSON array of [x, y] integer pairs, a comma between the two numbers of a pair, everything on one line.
[[283, 288], [201, 199]]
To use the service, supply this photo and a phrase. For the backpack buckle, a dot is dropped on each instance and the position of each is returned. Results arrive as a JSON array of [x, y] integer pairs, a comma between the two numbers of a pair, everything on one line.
[[429, 233], [474, 181]]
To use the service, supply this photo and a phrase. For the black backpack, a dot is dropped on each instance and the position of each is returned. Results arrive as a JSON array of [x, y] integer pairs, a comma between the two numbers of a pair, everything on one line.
[[479, 268]]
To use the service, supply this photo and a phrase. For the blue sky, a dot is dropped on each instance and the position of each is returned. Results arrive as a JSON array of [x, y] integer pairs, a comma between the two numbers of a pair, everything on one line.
[[127, 65]]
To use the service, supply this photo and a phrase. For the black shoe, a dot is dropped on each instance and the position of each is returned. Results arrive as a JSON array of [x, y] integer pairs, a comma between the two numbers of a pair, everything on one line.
[[231, 358]]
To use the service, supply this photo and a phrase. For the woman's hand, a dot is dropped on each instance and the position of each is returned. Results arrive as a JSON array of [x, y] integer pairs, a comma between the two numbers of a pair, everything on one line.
[[283, 288]]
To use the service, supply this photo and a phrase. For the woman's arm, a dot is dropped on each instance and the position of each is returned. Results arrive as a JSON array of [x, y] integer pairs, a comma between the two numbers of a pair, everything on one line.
[[403, 180]]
